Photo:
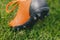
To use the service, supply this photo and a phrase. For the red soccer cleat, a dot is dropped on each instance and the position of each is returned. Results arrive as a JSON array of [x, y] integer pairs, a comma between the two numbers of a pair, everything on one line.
[[29, 11]]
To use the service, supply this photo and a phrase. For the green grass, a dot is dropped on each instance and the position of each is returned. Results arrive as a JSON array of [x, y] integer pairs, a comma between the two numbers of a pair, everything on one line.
[[49, 29]]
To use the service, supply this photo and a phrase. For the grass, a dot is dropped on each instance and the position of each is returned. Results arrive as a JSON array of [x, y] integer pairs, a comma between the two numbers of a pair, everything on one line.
[[49, 29]]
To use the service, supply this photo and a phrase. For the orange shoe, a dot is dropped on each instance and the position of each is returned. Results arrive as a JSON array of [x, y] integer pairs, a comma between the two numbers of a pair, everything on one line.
[[29, 11]]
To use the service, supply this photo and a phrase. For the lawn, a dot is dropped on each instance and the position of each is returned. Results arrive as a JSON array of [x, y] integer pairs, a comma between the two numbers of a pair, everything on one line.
[[48, 29]]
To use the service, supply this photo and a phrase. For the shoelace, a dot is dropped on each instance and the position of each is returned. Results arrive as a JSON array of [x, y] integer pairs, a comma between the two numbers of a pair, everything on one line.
[[9, 4]]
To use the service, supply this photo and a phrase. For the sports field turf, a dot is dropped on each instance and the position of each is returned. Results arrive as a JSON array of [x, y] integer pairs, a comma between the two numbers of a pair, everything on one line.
[[48, 29]]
